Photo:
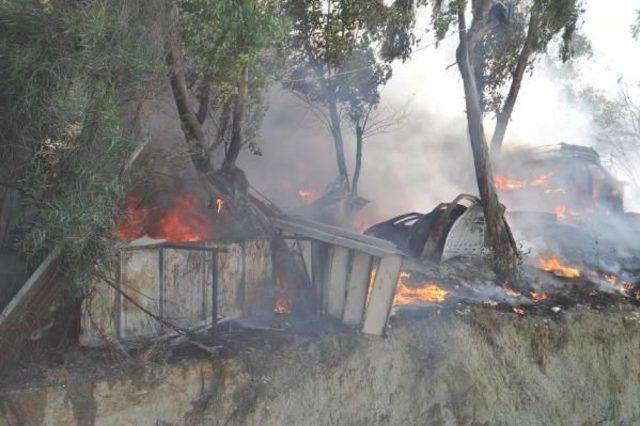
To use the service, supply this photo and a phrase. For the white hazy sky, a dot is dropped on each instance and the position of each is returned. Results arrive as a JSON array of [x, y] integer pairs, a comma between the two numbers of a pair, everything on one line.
[[427, 160]]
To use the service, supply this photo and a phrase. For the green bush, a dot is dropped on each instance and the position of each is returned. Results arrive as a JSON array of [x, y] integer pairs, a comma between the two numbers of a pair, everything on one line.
[[66, 75]]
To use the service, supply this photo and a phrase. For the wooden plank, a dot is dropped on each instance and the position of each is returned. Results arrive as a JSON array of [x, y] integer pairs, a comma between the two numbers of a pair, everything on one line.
[[381, 248], [357, 285], [305, 252], [230, 280], [320, 265], [210, 294], [259, 278], [184, 288], [342, 232], [384, 288], [140, 277], [336, 283]]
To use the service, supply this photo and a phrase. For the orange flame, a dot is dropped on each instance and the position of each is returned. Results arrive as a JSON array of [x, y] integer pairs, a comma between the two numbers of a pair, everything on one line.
[[131, 221], [537, 297], [308, 195], [561, 212], [429, 292], [610, 278], [282, 306], [553, 265], [219, 205], [372, 277], [504, 182], [542, 180], [510, 291], [184, 221], [518, 310]]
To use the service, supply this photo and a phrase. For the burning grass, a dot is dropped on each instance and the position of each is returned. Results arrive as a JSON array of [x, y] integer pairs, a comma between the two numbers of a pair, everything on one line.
[[552, 264], [425, 293]]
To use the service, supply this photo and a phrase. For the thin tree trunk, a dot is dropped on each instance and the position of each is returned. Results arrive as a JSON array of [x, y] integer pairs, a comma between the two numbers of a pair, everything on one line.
[[196, 141], [223, 125], [236, 141], [336, 131], [203, 97], [356, 172], [503, 117], [498, 235]]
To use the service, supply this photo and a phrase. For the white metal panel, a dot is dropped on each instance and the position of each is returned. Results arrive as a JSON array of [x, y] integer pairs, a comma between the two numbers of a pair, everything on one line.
[[357, 286], [337, 281], [381, 299], [140, 280], [466, 236]]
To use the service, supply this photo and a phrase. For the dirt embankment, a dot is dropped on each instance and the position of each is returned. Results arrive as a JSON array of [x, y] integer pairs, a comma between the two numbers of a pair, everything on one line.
[[471, 366]]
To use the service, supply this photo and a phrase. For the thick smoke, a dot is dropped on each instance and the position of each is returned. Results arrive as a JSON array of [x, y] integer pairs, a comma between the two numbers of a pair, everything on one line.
[[426, 159]]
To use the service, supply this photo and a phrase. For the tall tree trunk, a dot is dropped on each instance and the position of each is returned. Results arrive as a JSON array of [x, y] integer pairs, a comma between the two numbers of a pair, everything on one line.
[[336, 131], [504, 115], [195, 139], [498, 235], [356, 172], [236, 141]]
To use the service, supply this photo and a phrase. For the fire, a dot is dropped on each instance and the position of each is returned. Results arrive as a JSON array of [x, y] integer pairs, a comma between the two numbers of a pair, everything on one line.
[[537, 297], [283, 306], [562, 212], [552, 264], [132, 219], [219, 205], [429, 292], [542, 180], [184, 221], [610, 278], [504, 182], [510, 291], [308, 195], [372, 278], [518, 310]]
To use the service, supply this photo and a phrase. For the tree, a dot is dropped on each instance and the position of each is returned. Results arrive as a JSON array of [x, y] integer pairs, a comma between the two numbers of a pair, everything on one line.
[[218, 52], [507, 41], [340, 53], [67, 76], [497, 233]]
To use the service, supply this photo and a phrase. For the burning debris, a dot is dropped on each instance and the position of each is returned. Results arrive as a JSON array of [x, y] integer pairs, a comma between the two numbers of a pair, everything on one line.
[[183, 219], [571, 198]]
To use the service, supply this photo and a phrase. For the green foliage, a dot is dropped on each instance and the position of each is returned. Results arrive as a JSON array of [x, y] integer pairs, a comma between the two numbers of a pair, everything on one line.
[[231, 43], [498, 52], [63, 74], [223, 37], [334, 46]]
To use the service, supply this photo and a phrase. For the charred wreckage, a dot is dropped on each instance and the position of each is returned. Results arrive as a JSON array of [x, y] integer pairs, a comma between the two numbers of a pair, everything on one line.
[[178, 277]]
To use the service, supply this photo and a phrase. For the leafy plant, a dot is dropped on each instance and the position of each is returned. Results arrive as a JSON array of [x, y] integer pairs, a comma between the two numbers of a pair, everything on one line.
[[65, 76]]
